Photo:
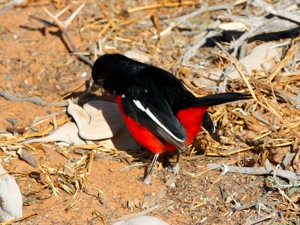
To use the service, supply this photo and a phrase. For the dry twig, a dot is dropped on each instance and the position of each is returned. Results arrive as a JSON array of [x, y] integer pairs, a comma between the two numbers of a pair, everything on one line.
[[267, 170], [34, 100]]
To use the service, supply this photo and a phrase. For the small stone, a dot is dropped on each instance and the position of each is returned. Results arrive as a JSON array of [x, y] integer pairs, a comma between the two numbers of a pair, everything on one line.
[[171, 181], [161, 194], [148, 201], [137, 55]]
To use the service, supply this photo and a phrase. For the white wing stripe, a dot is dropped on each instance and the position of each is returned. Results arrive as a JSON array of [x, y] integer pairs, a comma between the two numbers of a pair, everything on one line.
[[150, 114]]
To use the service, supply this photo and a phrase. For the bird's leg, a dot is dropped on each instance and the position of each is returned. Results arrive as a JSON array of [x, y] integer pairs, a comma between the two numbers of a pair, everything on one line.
[[176, 167], [147, 179]]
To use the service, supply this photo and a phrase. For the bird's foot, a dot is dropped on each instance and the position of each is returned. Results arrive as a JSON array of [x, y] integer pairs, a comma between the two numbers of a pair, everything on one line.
[[147, 180], [176, 168]]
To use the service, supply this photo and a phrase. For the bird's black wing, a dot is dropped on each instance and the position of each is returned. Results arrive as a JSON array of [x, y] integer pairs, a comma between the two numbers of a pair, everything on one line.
[[143, 102], [171, 88]]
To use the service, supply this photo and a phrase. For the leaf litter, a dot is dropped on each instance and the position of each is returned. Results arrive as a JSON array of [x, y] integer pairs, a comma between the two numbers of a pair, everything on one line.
[[189, 40]]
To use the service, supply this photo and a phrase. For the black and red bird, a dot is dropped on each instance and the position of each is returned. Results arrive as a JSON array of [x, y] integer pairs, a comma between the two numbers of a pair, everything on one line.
[[161, 114]]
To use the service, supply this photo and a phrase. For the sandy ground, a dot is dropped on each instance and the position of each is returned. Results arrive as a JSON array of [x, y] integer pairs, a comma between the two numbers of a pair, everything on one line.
[[35, 61]]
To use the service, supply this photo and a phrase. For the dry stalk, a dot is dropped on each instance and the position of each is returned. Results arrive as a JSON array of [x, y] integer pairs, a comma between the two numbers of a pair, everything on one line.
[[163, 5]]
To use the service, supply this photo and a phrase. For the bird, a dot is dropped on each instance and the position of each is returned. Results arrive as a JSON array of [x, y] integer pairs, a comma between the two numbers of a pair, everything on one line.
[[159, 111]]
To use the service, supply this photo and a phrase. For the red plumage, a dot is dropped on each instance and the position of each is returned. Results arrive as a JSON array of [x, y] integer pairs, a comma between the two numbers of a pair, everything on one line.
[[190, 118]]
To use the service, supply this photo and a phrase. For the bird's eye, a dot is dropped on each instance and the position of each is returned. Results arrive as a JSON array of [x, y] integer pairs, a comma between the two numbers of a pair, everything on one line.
[[100, 82]]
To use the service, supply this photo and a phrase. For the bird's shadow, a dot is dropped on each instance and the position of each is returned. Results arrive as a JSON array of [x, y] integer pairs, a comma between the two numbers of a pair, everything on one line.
[[142, 154]]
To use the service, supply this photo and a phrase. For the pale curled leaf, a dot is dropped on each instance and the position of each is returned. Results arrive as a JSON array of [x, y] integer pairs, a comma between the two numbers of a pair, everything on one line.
[[10, 197], [145, 220], [67, 133], [105, 120]]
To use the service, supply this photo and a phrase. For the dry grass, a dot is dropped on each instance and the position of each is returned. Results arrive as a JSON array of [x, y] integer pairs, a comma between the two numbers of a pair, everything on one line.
[[265, 127]]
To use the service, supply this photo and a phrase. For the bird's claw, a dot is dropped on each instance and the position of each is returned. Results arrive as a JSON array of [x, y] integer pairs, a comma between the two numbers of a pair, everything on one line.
[[147, 180], [176, 168]]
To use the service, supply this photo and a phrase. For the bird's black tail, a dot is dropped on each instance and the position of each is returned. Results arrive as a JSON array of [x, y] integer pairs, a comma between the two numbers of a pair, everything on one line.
[[217, 99]]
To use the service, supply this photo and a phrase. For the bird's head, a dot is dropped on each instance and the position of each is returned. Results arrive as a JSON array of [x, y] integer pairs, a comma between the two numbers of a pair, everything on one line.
[[114, 72]]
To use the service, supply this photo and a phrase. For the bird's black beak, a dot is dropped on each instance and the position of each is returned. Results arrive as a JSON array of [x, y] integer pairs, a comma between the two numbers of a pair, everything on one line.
[[95, 87], [97, 84], [100, 82]]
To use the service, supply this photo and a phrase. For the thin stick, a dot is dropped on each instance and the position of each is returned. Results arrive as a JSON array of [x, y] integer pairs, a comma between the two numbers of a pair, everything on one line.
[[68, 94], [145, 212], [18, 219], [166, 5], [268, 170], [241, 69], [34, 100], [63, 26], [291, 52]]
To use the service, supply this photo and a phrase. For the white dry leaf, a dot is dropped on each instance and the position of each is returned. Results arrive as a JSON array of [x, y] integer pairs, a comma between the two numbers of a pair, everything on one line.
[[79, 115], [10, 197], [142, 220], [7, 5], [233, 26], [105, 120], [122, 141], [67, 133], [262, 57], [137, 55], [96, 121]]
